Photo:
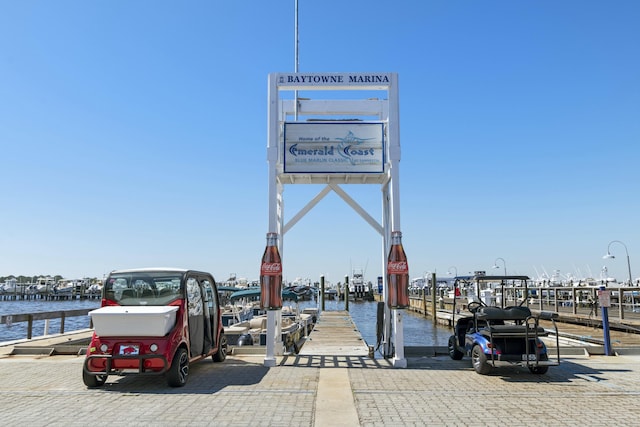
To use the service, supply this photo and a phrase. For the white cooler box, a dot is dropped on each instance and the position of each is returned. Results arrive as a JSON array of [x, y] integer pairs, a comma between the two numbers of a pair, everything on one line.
[[133, 321]]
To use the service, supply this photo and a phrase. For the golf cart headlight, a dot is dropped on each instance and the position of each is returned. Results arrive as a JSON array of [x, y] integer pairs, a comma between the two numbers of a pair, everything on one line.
[[104, 348], [153, 347]]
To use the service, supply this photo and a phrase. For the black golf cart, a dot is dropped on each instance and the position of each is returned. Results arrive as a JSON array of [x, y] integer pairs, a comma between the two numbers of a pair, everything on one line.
[[494, 335]]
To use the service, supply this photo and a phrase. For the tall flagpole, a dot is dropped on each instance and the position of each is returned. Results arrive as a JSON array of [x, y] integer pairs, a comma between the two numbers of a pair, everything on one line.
[[296, 60]]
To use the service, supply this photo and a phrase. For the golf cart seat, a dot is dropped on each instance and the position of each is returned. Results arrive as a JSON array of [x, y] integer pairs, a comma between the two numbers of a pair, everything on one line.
[[509, 313], [496, 327]]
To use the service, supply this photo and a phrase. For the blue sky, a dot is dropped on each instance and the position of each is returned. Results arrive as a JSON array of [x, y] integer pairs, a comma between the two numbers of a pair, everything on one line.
[[134, 134]]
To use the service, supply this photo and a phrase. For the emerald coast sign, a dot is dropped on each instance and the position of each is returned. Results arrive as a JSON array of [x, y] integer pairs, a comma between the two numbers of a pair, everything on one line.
[[333, 147]]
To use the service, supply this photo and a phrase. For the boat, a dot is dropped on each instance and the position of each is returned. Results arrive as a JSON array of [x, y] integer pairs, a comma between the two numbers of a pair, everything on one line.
[[358, 289], [295, 326], [302, 288], [330, 294], [238, 312], [44, 285], [64, 288], [9, 286], [94, 289], [31, 290], [237, 309], [253, 331], [235, 282], [12, 288]]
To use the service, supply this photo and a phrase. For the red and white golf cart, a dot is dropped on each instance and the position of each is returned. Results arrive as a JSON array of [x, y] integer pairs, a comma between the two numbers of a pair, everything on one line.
[[154, 321]]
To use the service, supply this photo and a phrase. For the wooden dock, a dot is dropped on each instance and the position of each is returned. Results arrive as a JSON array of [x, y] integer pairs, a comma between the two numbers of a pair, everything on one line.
[[335, 334]]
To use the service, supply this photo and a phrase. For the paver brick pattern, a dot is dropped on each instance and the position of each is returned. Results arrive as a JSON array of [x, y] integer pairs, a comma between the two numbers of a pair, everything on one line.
[[438, 391]]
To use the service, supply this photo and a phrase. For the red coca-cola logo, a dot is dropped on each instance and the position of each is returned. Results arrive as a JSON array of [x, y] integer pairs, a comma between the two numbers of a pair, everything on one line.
[[271, 268], [397, 267]]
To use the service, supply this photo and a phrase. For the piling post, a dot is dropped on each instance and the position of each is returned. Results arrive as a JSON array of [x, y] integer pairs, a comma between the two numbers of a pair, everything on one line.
[[424, 301], [29, 326], [346, 293], [321, 293], [434, 291]]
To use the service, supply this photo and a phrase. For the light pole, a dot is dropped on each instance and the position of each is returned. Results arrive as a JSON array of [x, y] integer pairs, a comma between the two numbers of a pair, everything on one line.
[[495, 264], [454, 269], [610, 256]]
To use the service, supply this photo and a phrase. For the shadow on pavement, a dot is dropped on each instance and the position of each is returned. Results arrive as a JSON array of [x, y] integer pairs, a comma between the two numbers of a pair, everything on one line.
[[205, 377], [566, 372], [328, 361]]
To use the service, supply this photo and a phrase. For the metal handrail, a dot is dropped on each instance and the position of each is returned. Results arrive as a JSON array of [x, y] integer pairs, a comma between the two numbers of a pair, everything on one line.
[[9, 319], [581, 301]]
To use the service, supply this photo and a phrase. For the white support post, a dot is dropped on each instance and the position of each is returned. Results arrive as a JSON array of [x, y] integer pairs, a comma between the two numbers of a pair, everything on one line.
[[386, 244], [398, 332], [279, 350], [275, 198], [394, 156], [270, 359]]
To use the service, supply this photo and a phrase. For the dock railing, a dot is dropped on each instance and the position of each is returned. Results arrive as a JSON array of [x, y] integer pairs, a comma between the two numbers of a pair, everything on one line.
[[579, 301], [10, 319]]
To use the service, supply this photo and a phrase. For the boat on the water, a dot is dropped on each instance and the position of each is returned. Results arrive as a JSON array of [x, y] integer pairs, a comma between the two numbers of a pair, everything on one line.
[[235, 313], [252, 327], [330, 294], [295, 326], [94, 289], [237, 309], [9, 286], [358, 289], [63, 288]]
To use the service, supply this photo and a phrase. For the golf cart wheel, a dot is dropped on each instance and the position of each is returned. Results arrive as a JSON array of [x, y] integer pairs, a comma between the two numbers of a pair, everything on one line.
[[221, 354], [538, 370], [453, 348], [179, 372], [479, 360], [93, 381]]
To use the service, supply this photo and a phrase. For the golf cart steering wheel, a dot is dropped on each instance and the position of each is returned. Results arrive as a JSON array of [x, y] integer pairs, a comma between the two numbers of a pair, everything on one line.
[[474, 306]]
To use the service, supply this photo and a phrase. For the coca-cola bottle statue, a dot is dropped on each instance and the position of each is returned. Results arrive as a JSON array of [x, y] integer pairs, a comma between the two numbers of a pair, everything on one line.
[[397, 274], [271, 275]]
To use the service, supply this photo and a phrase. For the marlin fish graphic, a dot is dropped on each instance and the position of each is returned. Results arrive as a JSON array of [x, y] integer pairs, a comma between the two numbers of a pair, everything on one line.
[[346, 143]]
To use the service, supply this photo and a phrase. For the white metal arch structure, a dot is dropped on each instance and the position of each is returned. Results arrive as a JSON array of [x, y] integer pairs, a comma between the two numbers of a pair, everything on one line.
[[332, 144]]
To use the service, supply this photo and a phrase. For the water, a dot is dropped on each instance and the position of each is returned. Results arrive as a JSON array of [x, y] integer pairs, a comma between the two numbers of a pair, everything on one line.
[[19, 330], [418, 331]]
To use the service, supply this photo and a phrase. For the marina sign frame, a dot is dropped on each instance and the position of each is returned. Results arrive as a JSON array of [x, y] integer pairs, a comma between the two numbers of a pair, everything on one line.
[[329, 147], [311, 127]]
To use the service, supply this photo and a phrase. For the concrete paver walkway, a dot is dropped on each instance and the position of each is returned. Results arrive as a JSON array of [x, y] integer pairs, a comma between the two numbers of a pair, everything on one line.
[[582, 391], [326, 386], [334, 400]]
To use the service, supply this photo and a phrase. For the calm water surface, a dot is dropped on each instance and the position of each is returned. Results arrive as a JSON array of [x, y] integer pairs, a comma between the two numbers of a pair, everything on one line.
[[19, 330], [418, 331]]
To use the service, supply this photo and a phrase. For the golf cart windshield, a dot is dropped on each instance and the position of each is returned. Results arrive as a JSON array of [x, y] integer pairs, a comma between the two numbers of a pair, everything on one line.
[[152, 288]]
